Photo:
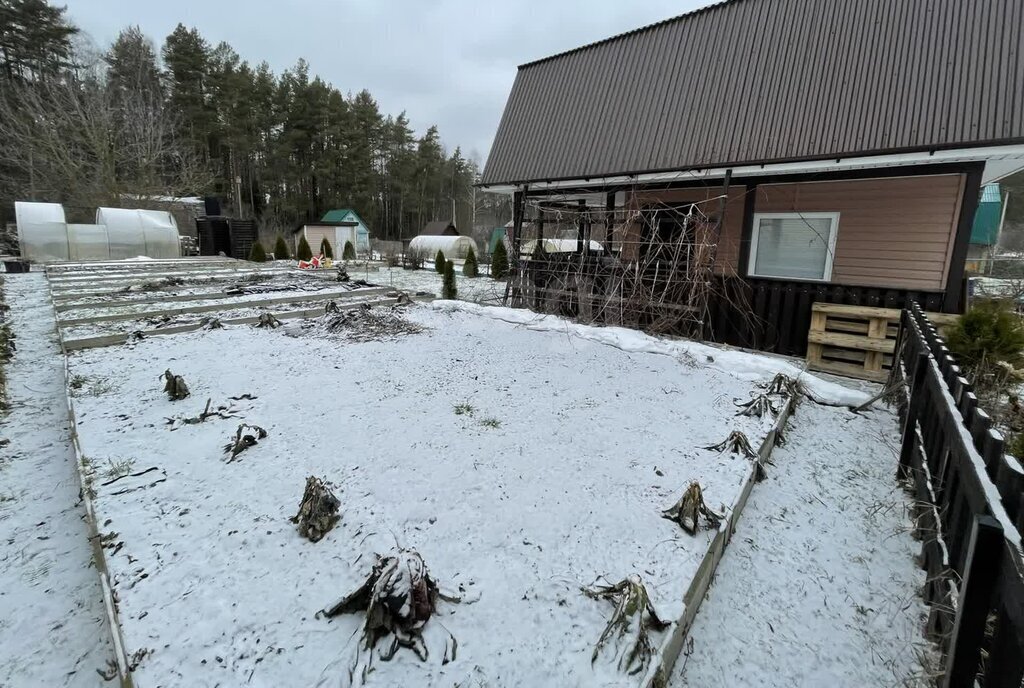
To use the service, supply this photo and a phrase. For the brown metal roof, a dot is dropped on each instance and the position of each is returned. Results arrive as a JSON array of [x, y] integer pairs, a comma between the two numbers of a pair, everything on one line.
[[439, 228], [758, 81]]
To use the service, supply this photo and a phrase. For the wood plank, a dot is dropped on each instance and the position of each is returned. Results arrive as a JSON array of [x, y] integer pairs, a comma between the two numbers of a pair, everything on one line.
[[848, 370], [849, 355], [850, 341]]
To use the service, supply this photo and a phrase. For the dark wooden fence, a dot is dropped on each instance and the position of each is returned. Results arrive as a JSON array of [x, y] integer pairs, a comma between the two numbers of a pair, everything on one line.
[[969, 499], [775, 315]]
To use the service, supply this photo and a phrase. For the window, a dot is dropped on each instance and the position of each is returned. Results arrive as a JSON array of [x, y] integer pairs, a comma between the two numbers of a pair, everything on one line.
[[793, 245]]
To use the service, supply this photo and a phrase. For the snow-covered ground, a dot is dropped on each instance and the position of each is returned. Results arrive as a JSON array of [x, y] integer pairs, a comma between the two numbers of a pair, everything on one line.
[[53, 630], [552, 476], [819, 585], [480, 289]]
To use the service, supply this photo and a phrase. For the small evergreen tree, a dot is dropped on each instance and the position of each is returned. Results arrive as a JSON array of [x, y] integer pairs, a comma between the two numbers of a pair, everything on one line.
[[439, 262], [281, 251], [350, 251], [499, 261], [304, 252], [257, 254], [469, 268], [989, 333], [325, 248], [448, 288]]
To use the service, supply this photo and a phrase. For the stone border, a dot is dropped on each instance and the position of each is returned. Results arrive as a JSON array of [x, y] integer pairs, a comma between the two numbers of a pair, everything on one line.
[[658, 673]]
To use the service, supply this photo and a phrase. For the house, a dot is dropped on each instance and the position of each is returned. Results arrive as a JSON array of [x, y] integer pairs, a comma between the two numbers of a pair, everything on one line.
[[337, 234], [440, 228], [985, 230], [744, 160], [362, 242]]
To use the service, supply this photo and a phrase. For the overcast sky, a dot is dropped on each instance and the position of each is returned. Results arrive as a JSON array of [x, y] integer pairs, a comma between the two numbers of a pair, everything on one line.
[[445, 62]]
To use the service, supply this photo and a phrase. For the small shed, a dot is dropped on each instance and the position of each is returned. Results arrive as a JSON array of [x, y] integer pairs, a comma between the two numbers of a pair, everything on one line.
[[440, 228], [344, 215], [337, 233]]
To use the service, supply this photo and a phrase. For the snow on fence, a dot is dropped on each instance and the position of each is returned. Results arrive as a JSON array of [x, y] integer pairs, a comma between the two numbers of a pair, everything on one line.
[[970, 511]]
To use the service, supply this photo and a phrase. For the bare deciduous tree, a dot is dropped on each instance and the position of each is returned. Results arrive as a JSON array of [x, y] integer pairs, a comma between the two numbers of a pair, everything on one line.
[[83, 143]]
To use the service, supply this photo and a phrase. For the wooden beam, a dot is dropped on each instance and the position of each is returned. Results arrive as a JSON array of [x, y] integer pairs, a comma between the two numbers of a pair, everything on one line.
[[953, 300], [749, 205]]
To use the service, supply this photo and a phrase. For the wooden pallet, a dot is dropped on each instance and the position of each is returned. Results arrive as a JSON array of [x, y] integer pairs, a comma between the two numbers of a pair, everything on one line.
[[856, 341]]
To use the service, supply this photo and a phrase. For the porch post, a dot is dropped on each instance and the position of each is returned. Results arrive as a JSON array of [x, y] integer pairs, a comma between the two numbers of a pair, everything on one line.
[[951, 302], [749, 204]]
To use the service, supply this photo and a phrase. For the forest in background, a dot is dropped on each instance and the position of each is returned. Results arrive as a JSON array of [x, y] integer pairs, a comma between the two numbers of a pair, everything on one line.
[[90, 127]]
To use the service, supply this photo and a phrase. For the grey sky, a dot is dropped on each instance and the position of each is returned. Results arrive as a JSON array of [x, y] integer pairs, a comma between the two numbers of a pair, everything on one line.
[[445, 62]]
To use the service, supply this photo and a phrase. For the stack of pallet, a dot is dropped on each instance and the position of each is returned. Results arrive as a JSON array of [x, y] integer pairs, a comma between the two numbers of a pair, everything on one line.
[[856, 341]]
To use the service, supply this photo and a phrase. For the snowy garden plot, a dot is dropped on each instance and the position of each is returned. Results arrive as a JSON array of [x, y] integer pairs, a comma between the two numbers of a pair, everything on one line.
[[521, 464]]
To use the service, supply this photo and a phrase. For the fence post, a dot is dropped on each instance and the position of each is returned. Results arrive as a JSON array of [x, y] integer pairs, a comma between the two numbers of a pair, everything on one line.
[[913, 411], [973, 602]]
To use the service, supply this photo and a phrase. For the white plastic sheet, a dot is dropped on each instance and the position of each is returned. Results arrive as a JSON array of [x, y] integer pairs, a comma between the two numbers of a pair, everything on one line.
[[88, 242], [42, 231], [131, 233]]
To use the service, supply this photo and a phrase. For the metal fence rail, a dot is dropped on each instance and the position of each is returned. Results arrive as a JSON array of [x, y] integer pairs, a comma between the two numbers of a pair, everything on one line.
[[969, 513]]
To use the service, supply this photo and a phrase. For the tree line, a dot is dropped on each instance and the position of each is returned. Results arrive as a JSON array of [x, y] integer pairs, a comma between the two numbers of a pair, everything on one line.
[[190, 118]]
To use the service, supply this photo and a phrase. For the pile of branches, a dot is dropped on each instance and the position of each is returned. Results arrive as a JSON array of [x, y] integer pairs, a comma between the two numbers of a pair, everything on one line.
[[318, 510], [364, 324], [398, 598], [628, 629]]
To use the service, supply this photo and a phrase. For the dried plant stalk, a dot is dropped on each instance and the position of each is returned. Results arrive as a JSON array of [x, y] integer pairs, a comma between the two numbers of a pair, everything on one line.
[[630, 623]]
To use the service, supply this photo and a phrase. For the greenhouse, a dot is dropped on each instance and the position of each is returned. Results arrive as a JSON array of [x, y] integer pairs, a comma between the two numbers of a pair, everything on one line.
[[45, 235], [453, 247]]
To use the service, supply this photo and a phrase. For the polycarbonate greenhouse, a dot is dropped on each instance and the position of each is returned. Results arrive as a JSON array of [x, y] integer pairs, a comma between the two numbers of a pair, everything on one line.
[[45, 235]]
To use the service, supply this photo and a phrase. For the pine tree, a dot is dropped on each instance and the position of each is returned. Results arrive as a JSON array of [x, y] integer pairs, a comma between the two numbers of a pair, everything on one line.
[[448, 288], [281, 251], [499, 261], [325, 248], [439, 262], [132, 63], [469, 268], [349, 252], [304, 252], [257, 254]]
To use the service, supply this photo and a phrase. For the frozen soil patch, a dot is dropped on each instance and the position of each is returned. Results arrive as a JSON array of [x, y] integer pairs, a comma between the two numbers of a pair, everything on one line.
[[521, 464], [819, 585]]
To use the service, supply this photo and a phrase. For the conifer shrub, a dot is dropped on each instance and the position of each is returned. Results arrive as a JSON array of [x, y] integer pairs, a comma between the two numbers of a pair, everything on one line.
[[470, 268], [281, 251], [499, 262], [989, 334], [325, 248], [439, 262], [448, 288], [257, 254], [304, 252], [350, 251]]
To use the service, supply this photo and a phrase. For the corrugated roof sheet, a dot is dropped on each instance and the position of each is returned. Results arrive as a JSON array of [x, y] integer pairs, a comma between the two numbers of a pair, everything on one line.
[[758, 81]]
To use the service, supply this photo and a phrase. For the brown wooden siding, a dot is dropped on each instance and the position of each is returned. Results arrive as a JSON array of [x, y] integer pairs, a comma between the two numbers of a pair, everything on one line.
[[727, 257], [894, 232]]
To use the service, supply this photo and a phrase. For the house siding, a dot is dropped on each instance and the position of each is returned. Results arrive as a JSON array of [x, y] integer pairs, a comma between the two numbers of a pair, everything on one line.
[[894, 232]]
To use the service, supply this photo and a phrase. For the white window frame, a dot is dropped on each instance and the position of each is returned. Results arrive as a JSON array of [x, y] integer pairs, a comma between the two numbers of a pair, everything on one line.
[[829, 254]]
